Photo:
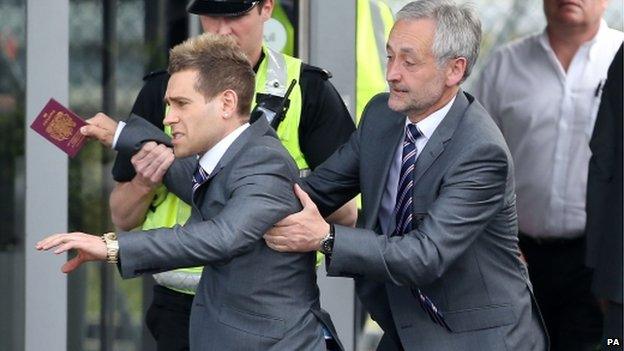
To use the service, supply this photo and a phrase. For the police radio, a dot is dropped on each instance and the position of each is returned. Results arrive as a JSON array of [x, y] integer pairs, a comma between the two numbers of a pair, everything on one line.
[[273, 107]]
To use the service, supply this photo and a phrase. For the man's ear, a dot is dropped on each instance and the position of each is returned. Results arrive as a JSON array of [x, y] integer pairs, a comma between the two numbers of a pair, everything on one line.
[[229, 103], [266, 9], [455, 70]]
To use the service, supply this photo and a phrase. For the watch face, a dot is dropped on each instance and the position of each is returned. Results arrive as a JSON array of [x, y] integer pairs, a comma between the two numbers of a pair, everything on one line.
[[326, 245]]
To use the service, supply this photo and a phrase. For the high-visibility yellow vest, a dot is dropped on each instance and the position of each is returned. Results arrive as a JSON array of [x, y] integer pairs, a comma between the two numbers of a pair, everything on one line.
[[270, 72], [374, 22], [274, 75]]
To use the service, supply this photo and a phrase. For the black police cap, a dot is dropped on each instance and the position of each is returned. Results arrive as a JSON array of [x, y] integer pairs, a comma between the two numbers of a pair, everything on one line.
[[227, 8]]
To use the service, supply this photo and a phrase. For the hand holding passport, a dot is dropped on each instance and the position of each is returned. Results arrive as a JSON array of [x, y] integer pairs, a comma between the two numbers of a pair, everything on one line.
[[61, 127], [64, 128]]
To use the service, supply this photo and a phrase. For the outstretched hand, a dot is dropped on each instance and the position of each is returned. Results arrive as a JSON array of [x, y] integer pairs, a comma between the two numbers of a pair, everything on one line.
[[89, 247], [100, 127], [301, 231]]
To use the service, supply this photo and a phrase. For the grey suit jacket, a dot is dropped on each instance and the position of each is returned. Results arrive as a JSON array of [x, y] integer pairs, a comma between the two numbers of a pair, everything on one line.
[[463, 253], [249, 296]]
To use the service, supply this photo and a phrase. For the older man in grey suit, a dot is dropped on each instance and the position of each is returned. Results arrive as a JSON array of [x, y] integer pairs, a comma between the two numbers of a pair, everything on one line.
[[436, 262], [239, 184]]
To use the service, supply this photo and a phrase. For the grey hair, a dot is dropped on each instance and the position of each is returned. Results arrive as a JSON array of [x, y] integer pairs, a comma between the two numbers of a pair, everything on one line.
[[457, 33]]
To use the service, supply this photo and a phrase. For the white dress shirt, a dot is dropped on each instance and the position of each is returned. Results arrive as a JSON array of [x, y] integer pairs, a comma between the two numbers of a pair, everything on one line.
[[426, 127], [209, 160], [547, 115]]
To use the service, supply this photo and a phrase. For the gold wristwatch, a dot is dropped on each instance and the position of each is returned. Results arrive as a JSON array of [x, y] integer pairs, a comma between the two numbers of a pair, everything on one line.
[[112, 247]]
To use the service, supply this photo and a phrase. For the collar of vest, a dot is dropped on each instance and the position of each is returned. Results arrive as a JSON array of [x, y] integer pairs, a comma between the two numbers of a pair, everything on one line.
[[276, 82]]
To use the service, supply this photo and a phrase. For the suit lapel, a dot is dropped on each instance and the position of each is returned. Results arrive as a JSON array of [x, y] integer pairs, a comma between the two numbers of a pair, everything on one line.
[[257, 129], [442, 134]]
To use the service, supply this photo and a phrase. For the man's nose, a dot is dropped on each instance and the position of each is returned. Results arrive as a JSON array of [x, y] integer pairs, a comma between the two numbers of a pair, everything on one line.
[[392, 74], [224, 27]]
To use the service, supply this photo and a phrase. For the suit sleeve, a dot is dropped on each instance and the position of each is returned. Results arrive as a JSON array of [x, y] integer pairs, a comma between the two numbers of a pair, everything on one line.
[[149, 104], [471, 194], [260, 195], [336, 180], [137, 132]]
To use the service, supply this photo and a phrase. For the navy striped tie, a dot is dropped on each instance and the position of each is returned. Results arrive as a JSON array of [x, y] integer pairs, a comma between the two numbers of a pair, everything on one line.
[[199, 177], [403, 210]]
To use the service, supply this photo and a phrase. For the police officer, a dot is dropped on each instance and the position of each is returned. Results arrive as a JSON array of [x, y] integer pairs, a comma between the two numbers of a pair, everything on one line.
[[315, 123]]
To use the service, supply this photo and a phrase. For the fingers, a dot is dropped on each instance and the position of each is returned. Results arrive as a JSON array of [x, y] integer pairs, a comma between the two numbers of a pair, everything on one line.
[[53, 241], [149, 152], [304, 198], [89, 248], [102, 135], [290, 220], [274, 233], [72, 264], [277, 247], [97, 133], [153, 161], [62, 241], [165, 162], [145, 151], [276, 241], [100, 127], [102, 121]]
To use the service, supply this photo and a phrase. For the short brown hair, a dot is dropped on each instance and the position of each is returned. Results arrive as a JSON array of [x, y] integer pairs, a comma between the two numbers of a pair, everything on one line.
[[221, 64]]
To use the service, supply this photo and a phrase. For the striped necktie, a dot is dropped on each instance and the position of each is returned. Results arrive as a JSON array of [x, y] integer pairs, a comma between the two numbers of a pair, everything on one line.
[[403, 211], [199, 177]]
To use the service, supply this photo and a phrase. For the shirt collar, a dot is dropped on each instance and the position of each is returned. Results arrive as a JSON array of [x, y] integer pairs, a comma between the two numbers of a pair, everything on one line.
[[591, 49], [594, 50], [209, 160], [428, 125]]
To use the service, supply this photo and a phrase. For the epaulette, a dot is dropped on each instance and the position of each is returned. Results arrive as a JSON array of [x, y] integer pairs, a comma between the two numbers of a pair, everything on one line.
[[325, 74], [154, 74]]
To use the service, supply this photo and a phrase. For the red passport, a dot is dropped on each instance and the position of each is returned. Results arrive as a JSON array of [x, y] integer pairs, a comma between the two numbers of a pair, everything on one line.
[[61, 127]]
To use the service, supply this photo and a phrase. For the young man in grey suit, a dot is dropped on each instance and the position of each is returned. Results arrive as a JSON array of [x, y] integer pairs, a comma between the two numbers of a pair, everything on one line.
[[436, 261], [238, 178]]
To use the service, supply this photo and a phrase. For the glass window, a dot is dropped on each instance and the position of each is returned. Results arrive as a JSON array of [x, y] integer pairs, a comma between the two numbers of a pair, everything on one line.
[[106, 311], [12, 171]]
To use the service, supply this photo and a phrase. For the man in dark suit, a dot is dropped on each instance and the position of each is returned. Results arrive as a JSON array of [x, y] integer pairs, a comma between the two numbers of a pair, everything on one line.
[[436, 261], [604, 205], [238, 178]]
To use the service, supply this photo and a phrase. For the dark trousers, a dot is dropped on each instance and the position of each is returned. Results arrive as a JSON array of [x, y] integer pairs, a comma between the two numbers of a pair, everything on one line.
[[612, 333], [561, 284], [168, 319]]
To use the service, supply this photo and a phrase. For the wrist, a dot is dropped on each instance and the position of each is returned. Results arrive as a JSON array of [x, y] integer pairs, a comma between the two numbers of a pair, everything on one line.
[[143, 188], [327, 243], [112, 247]]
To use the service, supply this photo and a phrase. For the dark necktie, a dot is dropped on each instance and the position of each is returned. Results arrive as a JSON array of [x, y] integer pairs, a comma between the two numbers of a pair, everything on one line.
[[199, 177], [403, 210]]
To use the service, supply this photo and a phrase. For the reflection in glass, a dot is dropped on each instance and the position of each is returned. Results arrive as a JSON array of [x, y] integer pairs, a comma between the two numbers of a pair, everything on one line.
[[12, 176], [116, 323]]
